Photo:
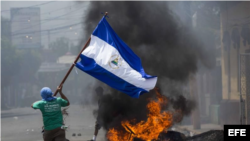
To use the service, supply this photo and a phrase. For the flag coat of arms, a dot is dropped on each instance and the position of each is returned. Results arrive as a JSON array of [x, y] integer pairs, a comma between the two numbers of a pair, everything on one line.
[[110, 60]]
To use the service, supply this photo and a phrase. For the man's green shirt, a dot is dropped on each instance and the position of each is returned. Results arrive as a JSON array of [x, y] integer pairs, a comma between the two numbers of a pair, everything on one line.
[[51, 110]]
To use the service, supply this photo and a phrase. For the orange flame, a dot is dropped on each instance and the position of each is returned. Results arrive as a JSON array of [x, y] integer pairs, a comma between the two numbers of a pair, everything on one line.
[[148, 130]]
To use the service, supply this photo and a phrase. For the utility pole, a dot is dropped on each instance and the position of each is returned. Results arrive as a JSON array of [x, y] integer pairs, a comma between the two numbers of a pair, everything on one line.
[[194, 96], [48, 37]]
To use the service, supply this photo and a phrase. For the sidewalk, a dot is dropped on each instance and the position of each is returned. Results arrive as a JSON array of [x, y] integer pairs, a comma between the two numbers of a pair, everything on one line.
[[204, 128]]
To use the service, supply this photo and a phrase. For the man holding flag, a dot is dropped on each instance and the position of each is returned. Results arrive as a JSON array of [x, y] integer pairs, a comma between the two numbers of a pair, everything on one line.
[[50, 107], [110, 60]]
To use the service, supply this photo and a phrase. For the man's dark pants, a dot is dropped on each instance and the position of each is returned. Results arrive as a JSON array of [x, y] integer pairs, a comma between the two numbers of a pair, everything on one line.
[[57, 134]]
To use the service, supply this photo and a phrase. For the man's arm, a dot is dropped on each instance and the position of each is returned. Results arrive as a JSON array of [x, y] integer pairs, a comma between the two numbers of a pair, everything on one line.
[[35, 105], [62, 95]]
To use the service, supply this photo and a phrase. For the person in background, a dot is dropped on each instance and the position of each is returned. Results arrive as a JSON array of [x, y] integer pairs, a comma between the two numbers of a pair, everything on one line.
[[104, 100], [99, 93], [52, 115]]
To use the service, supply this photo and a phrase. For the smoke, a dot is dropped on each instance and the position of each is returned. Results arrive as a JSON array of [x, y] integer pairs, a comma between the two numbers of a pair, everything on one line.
[[167, 48], [116, 107]]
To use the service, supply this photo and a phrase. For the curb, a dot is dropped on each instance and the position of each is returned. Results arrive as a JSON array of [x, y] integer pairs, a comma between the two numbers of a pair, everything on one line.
[[193, 132]]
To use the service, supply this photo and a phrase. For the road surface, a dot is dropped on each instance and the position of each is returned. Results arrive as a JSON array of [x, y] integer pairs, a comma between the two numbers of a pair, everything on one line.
[[24, 124]]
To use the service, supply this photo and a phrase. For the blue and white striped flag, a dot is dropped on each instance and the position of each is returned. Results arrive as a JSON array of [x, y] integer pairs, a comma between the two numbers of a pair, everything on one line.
[[110, 60]]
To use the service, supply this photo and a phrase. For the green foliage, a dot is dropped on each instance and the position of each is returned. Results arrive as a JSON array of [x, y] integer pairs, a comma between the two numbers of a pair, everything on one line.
[[60, 47], [5, 28], [18, 65], [63, 45], [9, 61], [30, 61]]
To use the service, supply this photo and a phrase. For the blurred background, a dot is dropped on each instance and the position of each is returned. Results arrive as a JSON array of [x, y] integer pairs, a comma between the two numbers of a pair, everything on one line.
[[205, 58], [40, 41]]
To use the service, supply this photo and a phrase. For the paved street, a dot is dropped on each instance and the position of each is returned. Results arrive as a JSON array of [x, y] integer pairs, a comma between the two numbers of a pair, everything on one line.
[[24, 124]]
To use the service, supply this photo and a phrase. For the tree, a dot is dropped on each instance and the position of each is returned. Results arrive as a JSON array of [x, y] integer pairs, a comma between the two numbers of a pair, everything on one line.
[[63, 45], [30, 61], [60, 47], [5, 28], [9, 56], [9, 62], [19, 66]]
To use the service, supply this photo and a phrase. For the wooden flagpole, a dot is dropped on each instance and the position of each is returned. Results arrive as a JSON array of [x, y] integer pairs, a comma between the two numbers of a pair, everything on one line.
[[72, 66]]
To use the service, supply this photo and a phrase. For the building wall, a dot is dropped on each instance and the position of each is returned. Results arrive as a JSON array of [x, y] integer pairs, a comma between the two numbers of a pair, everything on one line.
[[233, 17]]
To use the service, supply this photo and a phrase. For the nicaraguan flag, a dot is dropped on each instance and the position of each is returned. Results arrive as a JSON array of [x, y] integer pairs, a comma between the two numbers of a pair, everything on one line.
[[110, 60]]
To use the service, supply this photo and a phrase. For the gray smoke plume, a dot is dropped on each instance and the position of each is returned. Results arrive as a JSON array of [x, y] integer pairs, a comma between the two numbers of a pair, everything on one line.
[[166, 46]]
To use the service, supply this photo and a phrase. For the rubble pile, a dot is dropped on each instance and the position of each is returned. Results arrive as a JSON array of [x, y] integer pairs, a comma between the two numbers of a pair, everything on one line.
[[213, 135]]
